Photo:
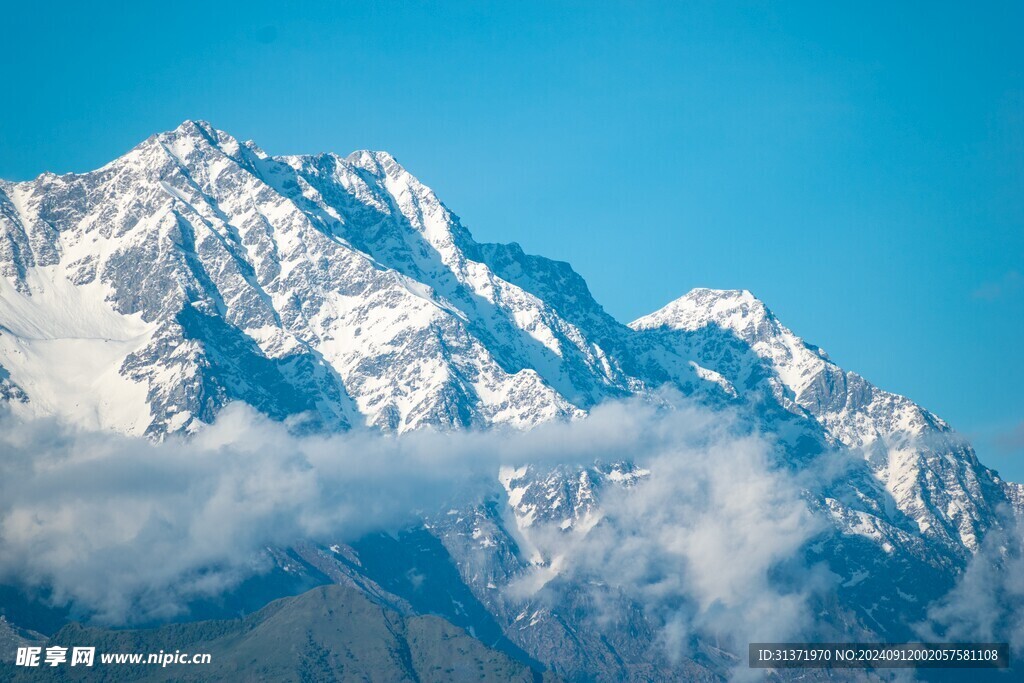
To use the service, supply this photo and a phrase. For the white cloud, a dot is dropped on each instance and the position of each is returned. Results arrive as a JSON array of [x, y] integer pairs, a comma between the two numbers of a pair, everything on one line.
[[1011, 440], [710, 543], [1010, 283], [987, 602], [133, 529]]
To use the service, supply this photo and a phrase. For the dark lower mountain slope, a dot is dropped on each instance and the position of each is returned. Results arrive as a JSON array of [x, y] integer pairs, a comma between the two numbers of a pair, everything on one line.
[[331, 633]]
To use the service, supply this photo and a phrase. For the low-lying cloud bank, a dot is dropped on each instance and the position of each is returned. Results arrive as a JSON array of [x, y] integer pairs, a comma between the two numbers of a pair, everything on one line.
[[128, 529], [709, 543], [987, 602]]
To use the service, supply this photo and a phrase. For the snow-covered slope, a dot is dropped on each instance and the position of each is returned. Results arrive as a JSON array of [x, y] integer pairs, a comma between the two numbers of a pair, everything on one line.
[[932, 475], [328, 289]]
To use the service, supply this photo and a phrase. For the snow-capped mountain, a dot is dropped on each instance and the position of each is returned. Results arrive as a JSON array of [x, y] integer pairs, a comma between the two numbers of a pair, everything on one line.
[[332, 292], [931, 474], [196, 270]]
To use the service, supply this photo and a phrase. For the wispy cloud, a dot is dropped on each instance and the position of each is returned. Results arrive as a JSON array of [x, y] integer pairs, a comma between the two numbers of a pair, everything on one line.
[[700, 544], [987, 602], [130, 529], [1010, 283], [1012, 440], [124, 526]]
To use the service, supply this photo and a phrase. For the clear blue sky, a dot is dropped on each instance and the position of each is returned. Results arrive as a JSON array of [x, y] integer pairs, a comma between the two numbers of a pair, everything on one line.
[[859, 165]]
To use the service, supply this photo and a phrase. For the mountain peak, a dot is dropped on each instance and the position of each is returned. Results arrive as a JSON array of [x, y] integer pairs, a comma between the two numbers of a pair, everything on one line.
[[196, 130], [196, 134], [196, 127], [698, 307], [377, 162]]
